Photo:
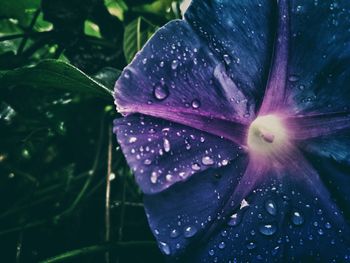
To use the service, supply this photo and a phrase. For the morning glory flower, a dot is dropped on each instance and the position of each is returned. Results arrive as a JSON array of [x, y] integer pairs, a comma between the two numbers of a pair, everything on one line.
[[237, 128]]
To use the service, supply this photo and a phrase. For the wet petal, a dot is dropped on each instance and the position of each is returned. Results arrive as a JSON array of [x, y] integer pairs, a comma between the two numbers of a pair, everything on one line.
[[180, 216], [162, 153], [240, 33], [284, 220], [336, 177], [176, 74], [318, 125], [334, 146], [320, 56]]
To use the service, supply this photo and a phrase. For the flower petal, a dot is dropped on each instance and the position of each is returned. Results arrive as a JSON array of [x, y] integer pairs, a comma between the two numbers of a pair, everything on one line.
[[320, 56], [162, 153], [334, 146], [318, 125], [181, 215], [336, 177], [176, 74], [284, 220], [240, 33]]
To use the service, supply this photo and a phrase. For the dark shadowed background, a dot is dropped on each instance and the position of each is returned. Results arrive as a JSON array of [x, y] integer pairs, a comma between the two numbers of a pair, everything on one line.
[[59, 60]]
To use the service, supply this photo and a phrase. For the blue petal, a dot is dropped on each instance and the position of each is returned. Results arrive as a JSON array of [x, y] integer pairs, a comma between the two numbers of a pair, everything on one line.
[[182, 214], [241, 34], [162, 153], [284, 222], [336, 176], [320, 56], [175, 74], [334, 146]]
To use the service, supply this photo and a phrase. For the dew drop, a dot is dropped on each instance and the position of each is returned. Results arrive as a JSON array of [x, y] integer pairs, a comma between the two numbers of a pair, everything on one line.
[[267, 229], [169, 177], [222, 245], [327, 225], [275, 251], [174, 233], [160, 92], [211, 252], [195, 166], [207, 160], [154, 177], [297, 218], [164, 247], [174, 64], [227, 59], [166, 145], [147, 162], [320, 231], [271, 207], [293, 78], [251, 245], [195, 104], [127, 74], [132, 139], [190, 231], [235, 219]]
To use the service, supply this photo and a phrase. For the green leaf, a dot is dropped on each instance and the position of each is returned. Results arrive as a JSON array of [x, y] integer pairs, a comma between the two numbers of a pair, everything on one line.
[[91, 29], [21, 10], [107, 77], [136, 34], [54, 74]]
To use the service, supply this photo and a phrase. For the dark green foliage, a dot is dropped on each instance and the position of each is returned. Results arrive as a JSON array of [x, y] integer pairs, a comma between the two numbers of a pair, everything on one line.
[[59, 60]]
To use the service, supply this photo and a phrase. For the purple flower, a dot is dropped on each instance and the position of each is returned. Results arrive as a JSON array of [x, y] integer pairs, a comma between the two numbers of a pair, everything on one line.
[[237, 127]]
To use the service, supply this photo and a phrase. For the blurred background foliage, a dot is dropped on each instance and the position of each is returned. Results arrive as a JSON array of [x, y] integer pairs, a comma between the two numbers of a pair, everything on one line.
[[59, 60]]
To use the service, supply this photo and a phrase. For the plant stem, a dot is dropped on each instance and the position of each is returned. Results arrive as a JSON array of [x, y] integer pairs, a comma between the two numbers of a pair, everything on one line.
[[108, 191], [30, 28]]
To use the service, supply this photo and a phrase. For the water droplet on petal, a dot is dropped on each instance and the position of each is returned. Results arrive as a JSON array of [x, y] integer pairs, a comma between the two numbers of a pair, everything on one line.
[[320, 231], [268, 229], [164, 247], [190, 231], [160, 92], [293, 78], [251, 245], [166, 145], [196, 167], [195, 104], [154, 177], [132, 139], [271, 207], [327, 225], [174, 233], [127, 74], [235, 219], [227, 59], [147, 162], [222, 245], [174, 64], [207, 160], [211, 252], [297, 218], [275, 251], [169, 177]]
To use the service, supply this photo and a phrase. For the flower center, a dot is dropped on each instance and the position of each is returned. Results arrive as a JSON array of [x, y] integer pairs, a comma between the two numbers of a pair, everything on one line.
[[267, 136]]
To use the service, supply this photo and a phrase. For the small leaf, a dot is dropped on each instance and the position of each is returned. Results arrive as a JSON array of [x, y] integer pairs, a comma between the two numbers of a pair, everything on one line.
[[136, 35], [54, 74]]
